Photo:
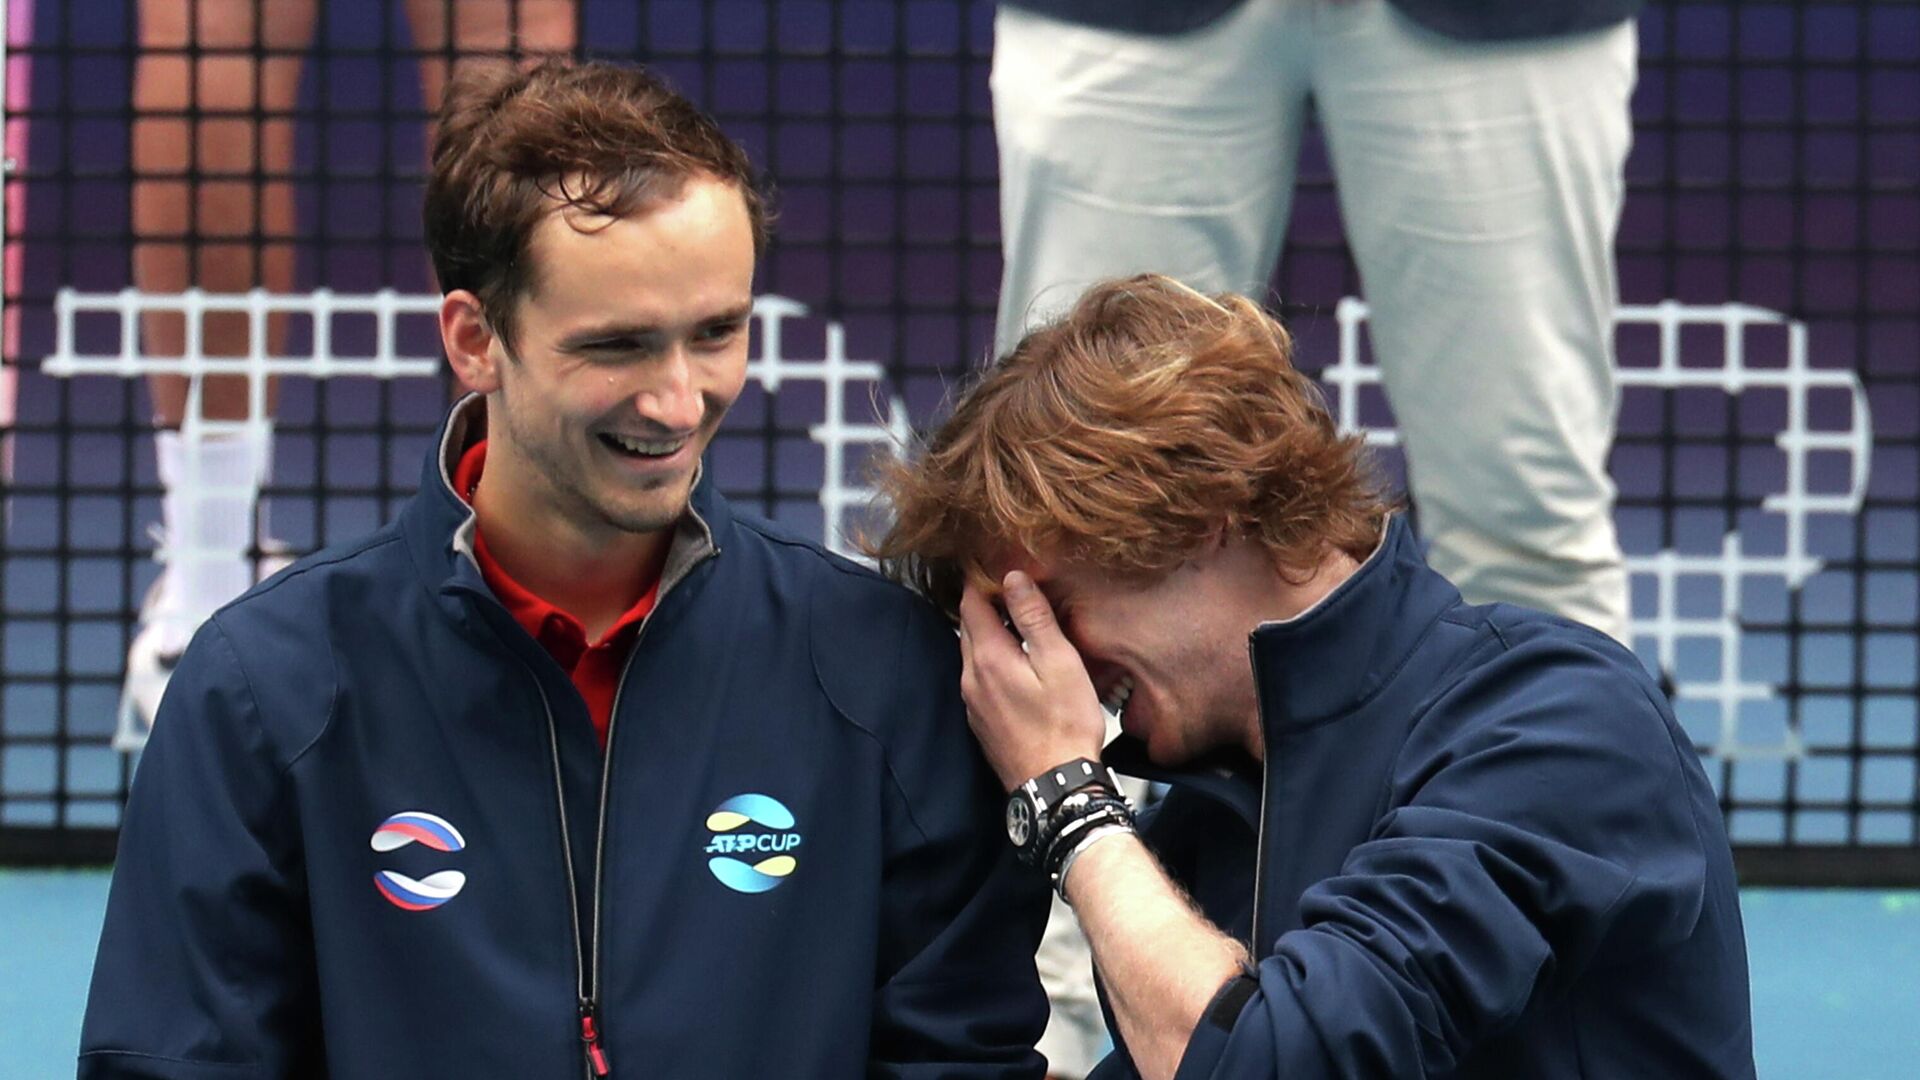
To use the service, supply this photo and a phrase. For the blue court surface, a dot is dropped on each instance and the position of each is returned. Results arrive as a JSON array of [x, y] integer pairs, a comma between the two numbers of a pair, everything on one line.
[[1836, 977]]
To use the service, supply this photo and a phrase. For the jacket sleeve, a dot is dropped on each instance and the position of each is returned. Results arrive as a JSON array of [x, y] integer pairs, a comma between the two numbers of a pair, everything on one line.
[[958, 992], [1540, 818], [206, 966]]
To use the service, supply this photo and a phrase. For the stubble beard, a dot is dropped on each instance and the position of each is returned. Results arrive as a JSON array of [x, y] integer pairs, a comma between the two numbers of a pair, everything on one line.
[[662, 509], [591, 501]]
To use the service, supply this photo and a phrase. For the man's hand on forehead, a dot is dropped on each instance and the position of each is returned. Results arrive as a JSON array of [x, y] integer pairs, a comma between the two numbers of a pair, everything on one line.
[[1031, 707]]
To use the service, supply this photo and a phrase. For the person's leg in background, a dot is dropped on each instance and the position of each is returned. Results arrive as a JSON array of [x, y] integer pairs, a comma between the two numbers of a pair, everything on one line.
[[214, 89], [1119, 154], [215, 84], [446, 32], [1126, 153], [1481, 187]]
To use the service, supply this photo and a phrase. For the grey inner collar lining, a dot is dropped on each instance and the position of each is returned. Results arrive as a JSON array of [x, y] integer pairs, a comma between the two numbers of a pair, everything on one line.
[[1386, 527], [692, 537]]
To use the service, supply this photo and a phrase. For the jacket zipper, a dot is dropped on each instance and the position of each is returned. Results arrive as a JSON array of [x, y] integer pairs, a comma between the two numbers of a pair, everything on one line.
[[589, 1030], [587, 950], [1260, 830], [587, 975]]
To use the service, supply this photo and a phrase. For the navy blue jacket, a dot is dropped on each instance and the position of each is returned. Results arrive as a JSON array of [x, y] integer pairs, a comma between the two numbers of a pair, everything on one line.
[[372, 835], [1467, 20], [1484, 849]]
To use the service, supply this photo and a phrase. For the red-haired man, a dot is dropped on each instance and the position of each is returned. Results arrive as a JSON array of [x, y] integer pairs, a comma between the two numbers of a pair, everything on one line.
[[1406, 836]]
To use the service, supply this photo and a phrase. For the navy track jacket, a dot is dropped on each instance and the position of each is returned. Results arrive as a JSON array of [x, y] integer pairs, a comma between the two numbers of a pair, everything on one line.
[[1484, 849], [372, 835]]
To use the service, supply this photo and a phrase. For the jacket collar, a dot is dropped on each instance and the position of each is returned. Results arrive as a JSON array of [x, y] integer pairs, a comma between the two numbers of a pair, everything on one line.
[[1330, 660], [439, 525], [1318, 666]]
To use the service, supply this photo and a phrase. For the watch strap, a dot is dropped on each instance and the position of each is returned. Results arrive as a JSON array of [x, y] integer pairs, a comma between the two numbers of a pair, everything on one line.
[[1062, 780]]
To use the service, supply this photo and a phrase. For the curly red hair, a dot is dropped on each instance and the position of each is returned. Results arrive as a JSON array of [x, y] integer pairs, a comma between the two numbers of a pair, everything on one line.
[[1146, 422]]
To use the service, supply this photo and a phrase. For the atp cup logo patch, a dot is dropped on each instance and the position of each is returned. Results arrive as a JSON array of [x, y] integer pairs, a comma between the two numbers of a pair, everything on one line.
[[437, 833], [752, 844]]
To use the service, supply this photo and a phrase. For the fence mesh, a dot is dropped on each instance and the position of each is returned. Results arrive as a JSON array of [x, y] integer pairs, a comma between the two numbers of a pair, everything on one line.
[[1769, 443]]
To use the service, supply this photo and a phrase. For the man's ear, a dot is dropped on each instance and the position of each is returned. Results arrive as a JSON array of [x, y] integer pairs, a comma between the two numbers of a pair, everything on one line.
[[470, 342]]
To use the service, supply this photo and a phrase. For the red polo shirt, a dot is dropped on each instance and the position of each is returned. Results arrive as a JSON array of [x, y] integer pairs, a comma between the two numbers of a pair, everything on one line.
[[595, 668]]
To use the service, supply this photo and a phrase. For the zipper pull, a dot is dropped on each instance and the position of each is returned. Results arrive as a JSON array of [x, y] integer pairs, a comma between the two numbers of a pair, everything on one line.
[[590, 1034]]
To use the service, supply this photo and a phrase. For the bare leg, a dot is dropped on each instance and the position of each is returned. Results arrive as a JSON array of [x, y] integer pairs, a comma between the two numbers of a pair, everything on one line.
[[448, 32], [198, 202], [527, 30]]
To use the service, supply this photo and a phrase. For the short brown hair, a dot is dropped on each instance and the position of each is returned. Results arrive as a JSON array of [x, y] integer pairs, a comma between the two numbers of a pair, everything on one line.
[[513, 144], [1124, 436]]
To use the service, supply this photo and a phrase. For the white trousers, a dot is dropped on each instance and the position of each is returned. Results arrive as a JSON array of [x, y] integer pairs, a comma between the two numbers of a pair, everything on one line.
[[1480, 187]]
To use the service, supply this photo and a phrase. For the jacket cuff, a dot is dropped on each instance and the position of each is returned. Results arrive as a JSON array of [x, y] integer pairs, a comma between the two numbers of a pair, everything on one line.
[[1209, 1039]]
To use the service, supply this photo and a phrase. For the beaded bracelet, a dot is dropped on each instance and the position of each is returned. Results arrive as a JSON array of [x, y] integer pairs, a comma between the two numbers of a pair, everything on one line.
[[1069, 833], [1071, 809], [1087, 840]]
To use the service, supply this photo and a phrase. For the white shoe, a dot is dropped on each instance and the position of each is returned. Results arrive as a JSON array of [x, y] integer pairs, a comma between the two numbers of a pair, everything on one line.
[[155, 652], [157, 648], [270, 557]]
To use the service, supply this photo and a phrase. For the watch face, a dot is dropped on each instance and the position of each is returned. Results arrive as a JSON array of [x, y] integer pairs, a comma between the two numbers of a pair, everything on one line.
[[1019, 820]]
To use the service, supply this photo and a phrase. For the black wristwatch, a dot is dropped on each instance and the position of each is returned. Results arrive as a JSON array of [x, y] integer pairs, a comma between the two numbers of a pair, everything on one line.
[[1031, 806]]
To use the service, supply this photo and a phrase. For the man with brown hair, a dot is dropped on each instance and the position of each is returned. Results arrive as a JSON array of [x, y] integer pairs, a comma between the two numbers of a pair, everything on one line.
[[571, 768], [1412, 837]]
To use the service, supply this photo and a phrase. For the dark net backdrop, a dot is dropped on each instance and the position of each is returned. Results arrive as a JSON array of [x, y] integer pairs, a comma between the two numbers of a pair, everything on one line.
[[1770, 351]]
